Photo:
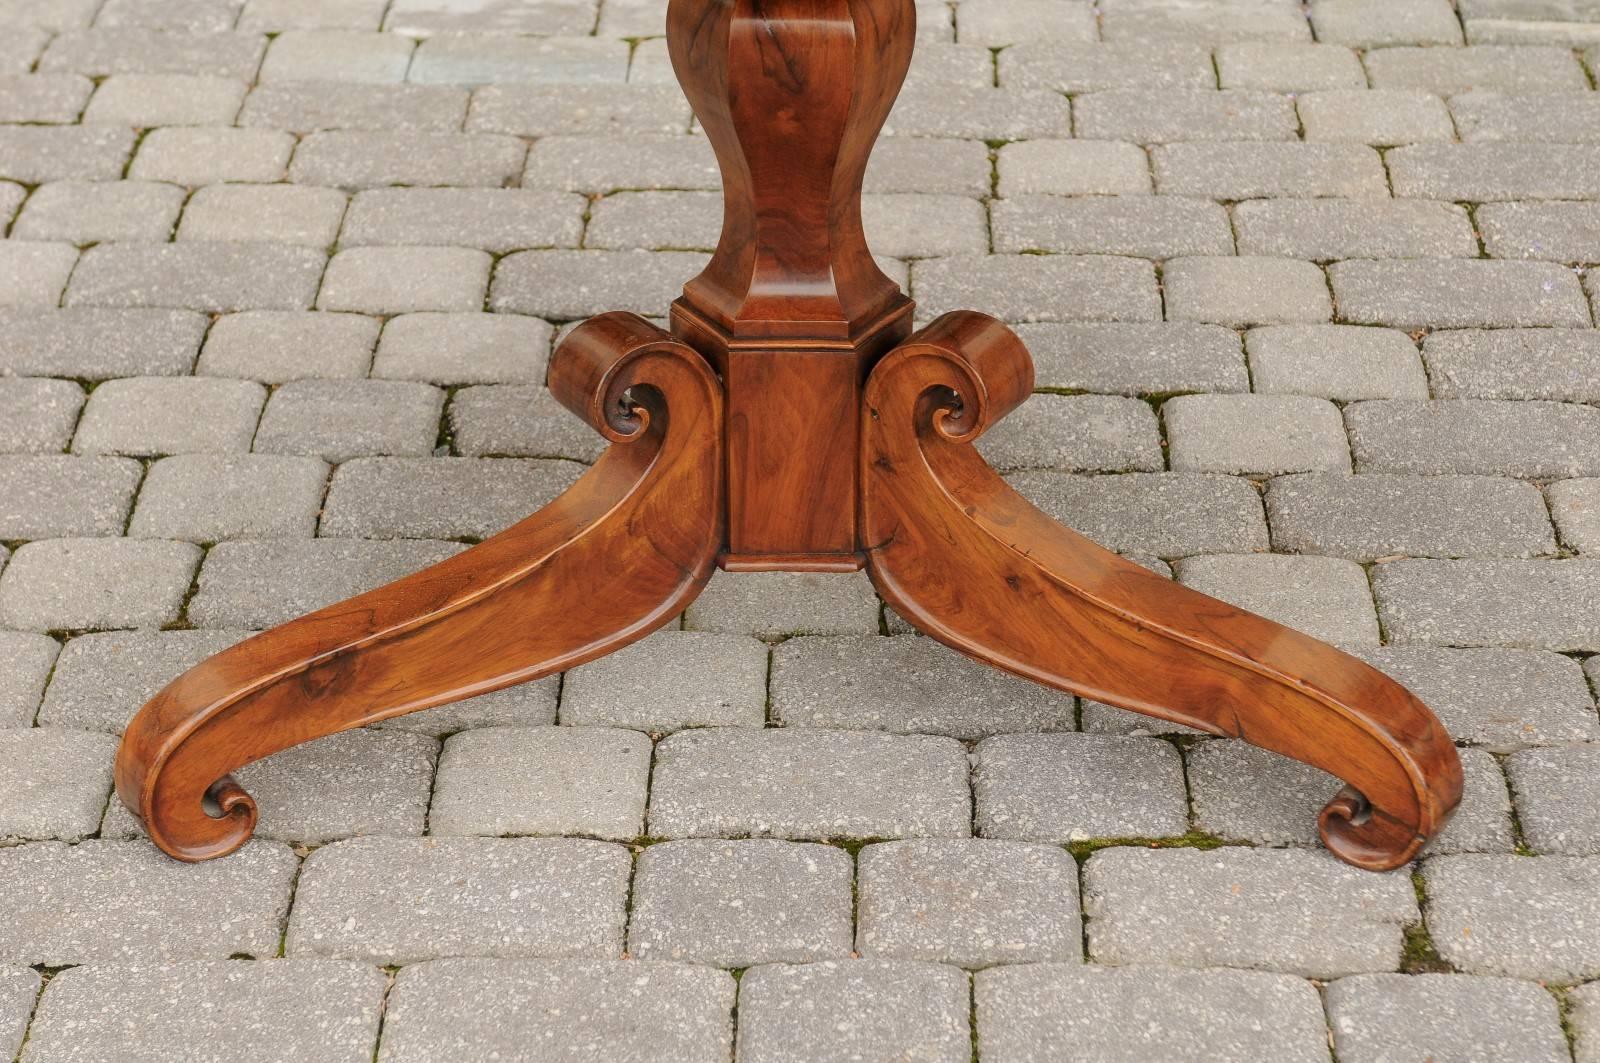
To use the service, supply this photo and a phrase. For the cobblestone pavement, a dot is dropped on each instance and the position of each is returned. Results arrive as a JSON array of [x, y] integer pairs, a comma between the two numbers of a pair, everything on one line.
[[1311, 297]]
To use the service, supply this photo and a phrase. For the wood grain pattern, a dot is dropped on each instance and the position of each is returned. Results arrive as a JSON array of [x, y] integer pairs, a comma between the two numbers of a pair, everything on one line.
[[969, 561], [615, 557]]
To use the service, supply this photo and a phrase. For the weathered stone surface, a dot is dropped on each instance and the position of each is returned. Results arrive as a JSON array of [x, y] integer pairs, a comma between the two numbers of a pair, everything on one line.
[[971, 903], [308, 107], [1254, 434], [1575, 507], [203, 498], [337, 420], [1083, 1013], [356, 159], [128, 901], [806, 783], [780, 604], [469, 348], [1335, 362], [1532, 440], [36, 154], [1140, 226], [1158, 117], [1461, 293], [670, 681], [402, 900], [1487, 172], [439, 498], [567, 285], [291, 214], [1377, 1016], [53, 783], [1327, 229], [1136, 358], [1448, 71], [73, 584], [1558, 232], [1514, 364], [908, 685], [1071, 168], [282, 1008], [29, 658], [99, 344], [1278, 67], [45, 496], [1245, 291], [135, 416], [84, 212], [1558, 798], [214, 277], [102, 678], [1248, 170], [1524, 917], [493, 219], [1288, 910], [587, 781], [19, 987], [1380, 117], [1039, 287], [275, 346], [1165, 514], [1533, 604], [741, 903]]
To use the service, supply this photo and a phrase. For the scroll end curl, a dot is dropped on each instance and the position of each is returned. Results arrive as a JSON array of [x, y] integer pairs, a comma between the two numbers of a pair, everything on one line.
[[1359, 834], [595, 373], [968, 370]]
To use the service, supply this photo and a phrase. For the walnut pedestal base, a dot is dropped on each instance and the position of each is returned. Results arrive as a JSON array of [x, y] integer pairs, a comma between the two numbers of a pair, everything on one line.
[[791, 420]]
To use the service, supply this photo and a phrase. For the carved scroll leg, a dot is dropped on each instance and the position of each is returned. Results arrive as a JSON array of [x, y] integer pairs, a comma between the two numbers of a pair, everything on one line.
[[615, 557], [970, 562]]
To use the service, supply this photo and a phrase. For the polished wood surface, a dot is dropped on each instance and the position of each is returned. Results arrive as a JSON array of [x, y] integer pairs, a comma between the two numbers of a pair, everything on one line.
[[790, 421]]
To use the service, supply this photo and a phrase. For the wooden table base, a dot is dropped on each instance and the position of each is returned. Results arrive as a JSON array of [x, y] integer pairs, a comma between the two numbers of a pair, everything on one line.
[[790, 420]]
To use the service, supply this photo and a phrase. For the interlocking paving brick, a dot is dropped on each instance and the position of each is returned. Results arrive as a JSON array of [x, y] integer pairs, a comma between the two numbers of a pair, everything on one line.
[[1558, 117], [997, 23], [439, 498], [805, 783], [19, 987], [1448, 71], [1377, 515], [594, 164], [128, 901], [565, 285], [1525, 917], [1247, 794], [208, 156], [1247, 170], [484, 59], [970, 902], [1082, 67], [779, 604], [134, 416], [351, 784], [11, 197], [336, 55], [1296, 911], [105, 51], [53, 495], [256, 584], [897, 1009], [102, 678], [1140, 226], [471, 348], [670, 681], [1095, 433], [21, 47], [277, 346], [908, 225], [206, 498], [37, 415], [1530, 604], [493, 219], [1558, 232], [402, 900], [1165, 514], [1274, 67], [1533, 440], [926, 110], [71, 584], [1502, 699], [53, 784], [399, 280], [1377, 1016], [1380, 117], [1254, 434], [578, 110], [1335, 362], [657, 220], [1487, 172], [1163, 116], [1558, 798], [213, 277], [289, 214], [1071, 168], [147, 100], [626, 1011], [1575, 507], [1326, 597], [929, 166], [207, 16], [34, 273], [29, 658], [1328, 229], [422, 18], [1039, 287], [84, 212], [36, 154], [284, 1009], [586, 781], [519, 421], [354, 158], [342, 419], [1384, 23], [741, 903], [308, 107], [1087, 1014], [1071, 788], [275, 16], [1585, 1019], [907, 685], [1136, 358], [1245, 291], [1210, 21], [1457, 294]]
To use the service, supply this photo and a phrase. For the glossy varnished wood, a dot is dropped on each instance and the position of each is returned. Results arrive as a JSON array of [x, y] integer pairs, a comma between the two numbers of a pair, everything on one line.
[[789, 423], [615, 557], [967, 560]]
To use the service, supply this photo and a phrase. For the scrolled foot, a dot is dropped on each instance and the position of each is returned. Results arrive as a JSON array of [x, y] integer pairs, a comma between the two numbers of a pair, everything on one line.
[[615, 557], [970, 562]]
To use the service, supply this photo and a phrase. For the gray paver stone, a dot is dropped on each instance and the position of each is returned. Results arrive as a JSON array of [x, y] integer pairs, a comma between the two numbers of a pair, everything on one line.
[[71, 584], [399, 280], [441, 498], [29, 658], [1525, 917], [1460, 293], [286, 214], [277, 346], [134, 416], [1335, 362], [204, 498], [214, 277], [670, 681], [45, 496], [102, 678], [342, 419], [1575, 505], [53, 784], [1381, 1016], [84, 212], [19, 987], [1136, 358], [1254, 434], [211, 155], [777, 604], [1326, 597], [1558, 798], [1514, 364], [464, 349], [1550, 605], [1165, 514], [98, 344], [1245, 291], [1531, 440]]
